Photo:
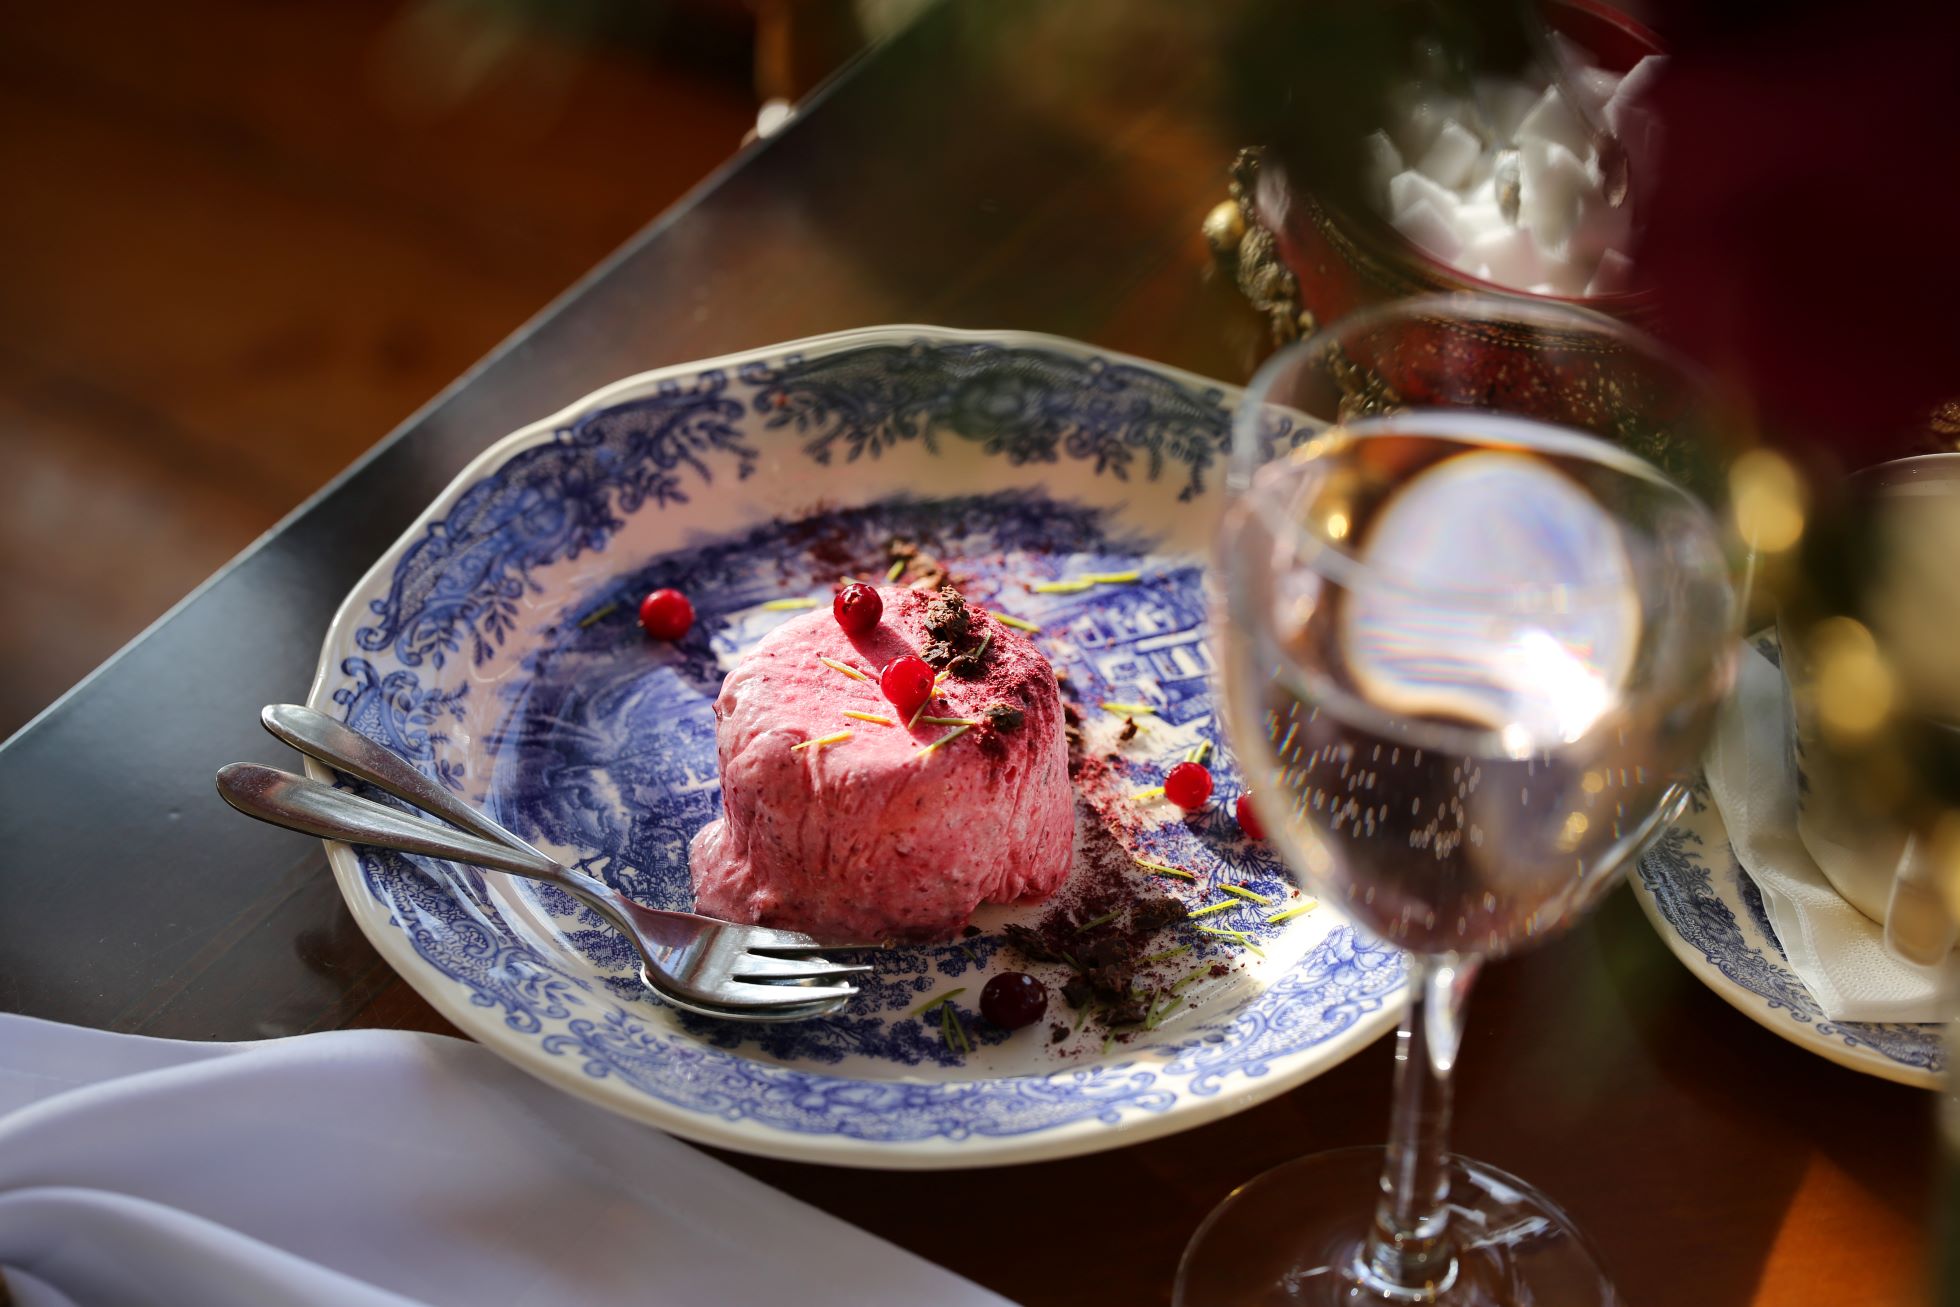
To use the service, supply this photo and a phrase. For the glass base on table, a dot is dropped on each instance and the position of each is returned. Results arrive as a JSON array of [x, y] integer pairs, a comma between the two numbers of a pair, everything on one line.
[[1297, 1235]]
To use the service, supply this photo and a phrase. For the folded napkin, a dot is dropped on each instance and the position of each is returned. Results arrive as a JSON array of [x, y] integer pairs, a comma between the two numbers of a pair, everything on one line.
[[1837, 951], [380, 1167]]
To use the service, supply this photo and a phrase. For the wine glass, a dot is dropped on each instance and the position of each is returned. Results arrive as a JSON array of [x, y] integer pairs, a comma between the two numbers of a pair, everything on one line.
[[1472, 644]]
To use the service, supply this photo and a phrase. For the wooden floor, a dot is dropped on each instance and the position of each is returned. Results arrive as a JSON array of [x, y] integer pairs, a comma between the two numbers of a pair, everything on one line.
[[241, 241]]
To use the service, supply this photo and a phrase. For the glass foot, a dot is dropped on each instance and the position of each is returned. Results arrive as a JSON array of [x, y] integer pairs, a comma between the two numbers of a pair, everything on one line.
[[1297, 1235]]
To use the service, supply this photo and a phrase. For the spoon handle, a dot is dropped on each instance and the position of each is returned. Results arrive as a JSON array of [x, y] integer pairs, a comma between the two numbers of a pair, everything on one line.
[[347, 750], [315, 808]]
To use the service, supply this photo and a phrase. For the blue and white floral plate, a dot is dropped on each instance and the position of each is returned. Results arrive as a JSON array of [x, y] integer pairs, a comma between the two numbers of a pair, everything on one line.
[[496, 645], [1711, 916]]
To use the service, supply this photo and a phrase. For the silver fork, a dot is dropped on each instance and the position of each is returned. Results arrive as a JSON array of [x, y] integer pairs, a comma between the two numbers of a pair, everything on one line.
[[713, 967]]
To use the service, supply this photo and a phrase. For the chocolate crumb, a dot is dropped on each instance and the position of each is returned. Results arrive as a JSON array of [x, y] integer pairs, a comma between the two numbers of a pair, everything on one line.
[[1071, 714], [967, 668], [1113, 984], [1126, 1011], [1030, 944], [1219, 971], [1104, 952], [1076, 991], [946, 617], [1005, 717], [1129, 727], [1057, 1033], [1155, 911], [969, 932], [938, 653]]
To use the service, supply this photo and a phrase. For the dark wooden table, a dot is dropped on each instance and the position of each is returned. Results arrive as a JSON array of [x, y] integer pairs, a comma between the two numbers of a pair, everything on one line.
[[1003, 164]]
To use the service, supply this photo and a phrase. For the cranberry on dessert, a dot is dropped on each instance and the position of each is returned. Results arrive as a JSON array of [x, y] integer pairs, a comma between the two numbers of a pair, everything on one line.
[[666, 614], [1013, 999], [1188, 785], [1248, 819], [907, 682], [857, 608]]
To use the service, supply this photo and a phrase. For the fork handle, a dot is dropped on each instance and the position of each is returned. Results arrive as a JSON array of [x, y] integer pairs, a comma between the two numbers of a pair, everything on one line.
[[315, 808], [346, 750]]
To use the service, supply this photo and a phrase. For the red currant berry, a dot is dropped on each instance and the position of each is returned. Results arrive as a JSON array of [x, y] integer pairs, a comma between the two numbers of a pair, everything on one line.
[[1249, 819], [1188, 785], [666, 614], [907, 682], [1013, 999], [857, 608]]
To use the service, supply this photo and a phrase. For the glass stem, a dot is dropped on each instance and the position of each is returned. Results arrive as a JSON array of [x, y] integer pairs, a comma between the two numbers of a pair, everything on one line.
[[1410, 1255]]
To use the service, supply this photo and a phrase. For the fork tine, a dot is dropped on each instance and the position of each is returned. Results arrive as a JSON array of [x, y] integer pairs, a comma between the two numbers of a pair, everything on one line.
[[739, 993], [755, 966], [763, 939], [770, 938], [811, 950]]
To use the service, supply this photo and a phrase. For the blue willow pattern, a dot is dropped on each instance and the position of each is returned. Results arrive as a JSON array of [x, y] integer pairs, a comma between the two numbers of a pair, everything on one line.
[[565, 767]]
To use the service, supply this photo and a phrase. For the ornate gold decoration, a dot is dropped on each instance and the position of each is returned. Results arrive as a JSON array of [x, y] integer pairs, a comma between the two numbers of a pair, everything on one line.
[[1225, 228], [1245, 249], [1364, 393]]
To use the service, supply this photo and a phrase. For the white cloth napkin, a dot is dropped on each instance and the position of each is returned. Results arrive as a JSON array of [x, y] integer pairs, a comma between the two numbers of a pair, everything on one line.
[[1837, 951], [380, 1167]]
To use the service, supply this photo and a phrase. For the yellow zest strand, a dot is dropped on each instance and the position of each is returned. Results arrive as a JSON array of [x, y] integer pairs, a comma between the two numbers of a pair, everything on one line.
[[952, 721], [1292, 912], [1015, 622], [953, 734], [1130, 709], [836, 737], [932, 1003], [1216, 907], [1145, 796], [870, 717], [845, 668], [1088, 581], [1199, 754], [1165, 869], [784, 605], [1248, 895], [897, 569]]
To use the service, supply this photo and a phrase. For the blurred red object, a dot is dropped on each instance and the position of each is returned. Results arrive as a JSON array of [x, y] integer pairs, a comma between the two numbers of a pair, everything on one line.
[[1806, 242]]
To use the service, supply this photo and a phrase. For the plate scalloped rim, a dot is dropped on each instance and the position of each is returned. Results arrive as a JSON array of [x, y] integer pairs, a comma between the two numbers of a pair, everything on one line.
[[452, 1001]]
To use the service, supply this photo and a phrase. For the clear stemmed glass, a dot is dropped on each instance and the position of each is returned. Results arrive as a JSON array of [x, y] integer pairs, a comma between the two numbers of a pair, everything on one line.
[[1472, 644]]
